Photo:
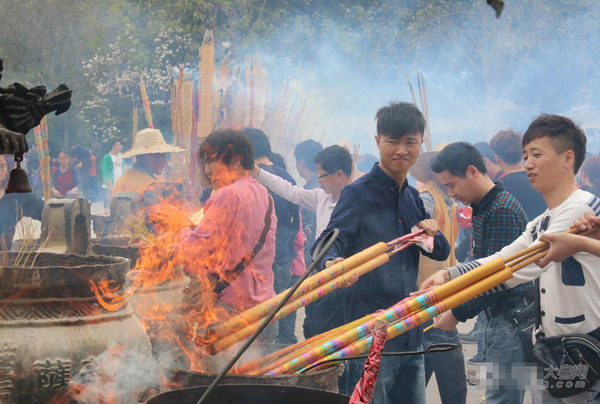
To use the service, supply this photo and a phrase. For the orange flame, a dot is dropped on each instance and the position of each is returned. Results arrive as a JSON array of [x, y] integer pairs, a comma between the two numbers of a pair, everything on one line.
[[170, 316]]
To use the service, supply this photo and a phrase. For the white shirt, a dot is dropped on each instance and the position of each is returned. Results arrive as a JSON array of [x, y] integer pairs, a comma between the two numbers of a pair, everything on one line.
[[569, 289], [313, 199], [117, 166]]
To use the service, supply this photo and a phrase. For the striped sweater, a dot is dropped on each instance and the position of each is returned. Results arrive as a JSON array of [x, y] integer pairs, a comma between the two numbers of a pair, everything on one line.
[[568, 290]]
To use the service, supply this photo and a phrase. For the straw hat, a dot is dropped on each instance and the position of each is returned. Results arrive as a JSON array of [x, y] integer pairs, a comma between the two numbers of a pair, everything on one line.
[[150, 141], [421, 171]]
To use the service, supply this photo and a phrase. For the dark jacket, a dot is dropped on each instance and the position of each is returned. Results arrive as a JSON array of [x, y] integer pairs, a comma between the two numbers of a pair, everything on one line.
[[373, 209]]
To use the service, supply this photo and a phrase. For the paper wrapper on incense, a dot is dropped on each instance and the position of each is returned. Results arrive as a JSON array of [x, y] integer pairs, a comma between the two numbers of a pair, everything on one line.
[[363, 392]]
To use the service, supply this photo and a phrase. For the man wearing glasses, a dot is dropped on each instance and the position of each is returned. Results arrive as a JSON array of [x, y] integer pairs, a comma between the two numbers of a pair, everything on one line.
[[334, 167]]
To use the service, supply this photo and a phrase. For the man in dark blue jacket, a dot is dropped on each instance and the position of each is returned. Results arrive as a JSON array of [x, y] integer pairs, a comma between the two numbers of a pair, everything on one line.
[[381, 206]]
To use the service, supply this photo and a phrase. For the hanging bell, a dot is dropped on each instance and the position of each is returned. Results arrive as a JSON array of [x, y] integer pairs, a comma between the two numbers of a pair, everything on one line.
[[18, 181]]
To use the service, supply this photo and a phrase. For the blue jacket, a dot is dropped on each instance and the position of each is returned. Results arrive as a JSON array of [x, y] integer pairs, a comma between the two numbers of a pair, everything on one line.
[[373, 209]]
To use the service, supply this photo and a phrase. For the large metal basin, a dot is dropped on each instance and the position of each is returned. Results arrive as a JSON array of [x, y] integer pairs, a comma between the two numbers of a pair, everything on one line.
[[52, 326], [251, 394]]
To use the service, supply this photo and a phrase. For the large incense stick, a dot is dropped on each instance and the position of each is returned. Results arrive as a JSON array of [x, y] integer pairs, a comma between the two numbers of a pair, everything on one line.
[[317, 293], [262, 365], [146, 103], [406, 323], [263, 309], [492, 277], [207, 71]]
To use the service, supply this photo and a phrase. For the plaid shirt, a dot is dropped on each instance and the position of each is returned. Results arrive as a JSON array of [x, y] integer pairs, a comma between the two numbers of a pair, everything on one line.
[[498, 219]]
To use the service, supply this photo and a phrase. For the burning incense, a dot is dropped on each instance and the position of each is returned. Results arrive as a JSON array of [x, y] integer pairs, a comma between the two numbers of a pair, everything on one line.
[[207, 69], [354, 161], [41, 142], [146, 102], [228, 336], [135, 122]]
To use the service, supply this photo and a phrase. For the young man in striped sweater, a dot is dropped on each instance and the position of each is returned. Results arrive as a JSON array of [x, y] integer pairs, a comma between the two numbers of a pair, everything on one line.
[[553, 151]]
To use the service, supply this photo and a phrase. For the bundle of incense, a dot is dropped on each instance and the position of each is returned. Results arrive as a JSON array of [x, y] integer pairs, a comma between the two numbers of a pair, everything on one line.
[[315, 294], [259, 366], [336, 339], [230, 337], [259, 311], [440, 299], [397, 312], [226, 341], [146, 103], [414, 320], [404, 308]]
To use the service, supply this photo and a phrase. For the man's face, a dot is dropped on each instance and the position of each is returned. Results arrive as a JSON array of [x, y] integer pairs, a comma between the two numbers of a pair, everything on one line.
[[327, 180], [543, 165], [303, 170], [459, 188], [117, 147], [398, 155]]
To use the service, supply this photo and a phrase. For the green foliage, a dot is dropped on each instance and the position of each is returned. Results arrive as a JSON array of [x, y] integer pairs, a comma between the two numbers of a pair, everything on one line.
[[100, 48]]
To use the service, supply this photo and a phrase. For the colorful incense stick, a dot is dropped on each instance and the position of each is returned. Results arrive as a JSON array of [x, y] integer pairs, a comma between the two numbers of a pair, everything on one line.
[[251, 315]]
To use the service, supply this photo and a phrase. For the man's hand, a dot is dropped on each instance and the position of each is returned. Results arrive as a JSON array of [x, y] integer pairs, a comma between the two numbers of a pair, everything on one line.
[[439, 278], [445, 321], [333, 262], [430, 226], [589, 222], [353, 277], [562, 246]]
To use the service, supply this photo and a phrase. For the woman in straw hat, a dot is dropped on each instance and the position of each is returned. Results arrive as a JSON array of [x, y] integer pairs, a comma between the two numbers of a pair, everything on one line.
[[150, 150]]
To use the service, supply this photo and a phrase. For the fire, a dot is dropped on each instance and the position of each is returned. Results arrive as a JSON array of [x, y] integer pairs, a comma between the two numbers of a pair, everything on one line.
[[172, 317], [102, 290]]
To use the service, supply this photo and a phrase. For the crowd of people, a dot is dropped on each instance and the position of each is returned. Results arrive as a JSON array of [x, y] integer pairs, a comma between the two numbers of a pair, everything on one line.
[[477, 201]]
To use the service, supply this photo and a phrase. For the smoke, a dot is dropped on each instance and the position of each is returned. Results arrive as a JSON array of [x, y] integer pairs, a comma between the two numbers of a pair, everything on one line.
[[482, 74]]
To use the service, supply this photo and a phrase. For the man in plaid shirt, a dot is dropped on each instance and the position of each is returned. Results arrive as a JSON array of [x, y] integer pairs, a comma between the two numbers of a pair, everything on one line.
[[498, 219]]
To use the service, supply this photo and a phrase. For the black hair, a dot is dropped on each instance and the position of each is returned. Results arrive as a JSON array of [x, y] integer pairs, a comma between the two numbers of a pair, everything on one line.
[[306, 151], [278, 159], [335, 158], [399, 119], [456, 159], [260, 142], [485, 150], [507, 144], [563, 134], [224, 144]]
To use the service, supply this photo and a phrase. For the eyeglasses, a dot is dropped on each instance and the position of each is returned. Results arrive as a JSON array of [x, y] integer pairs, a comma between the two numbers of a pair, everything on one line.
[[325, 175]]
